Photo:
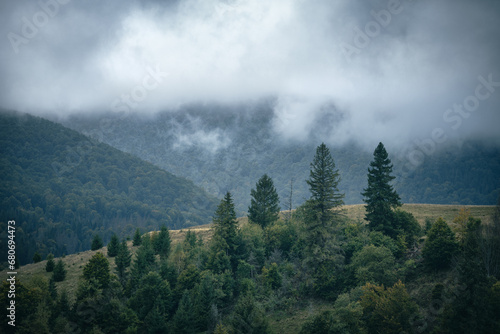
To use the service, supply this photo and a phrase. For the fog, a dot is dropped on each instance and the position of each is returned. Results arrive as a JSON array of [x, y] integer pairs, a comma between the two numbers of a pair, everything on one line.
[[363, 71]]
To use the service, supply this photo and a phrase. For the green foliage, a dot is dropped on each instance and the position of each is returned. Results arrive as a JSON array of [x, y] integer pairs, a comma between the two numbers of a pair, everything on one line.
[[271, 276], [98, 269], [387, 310], [59, 273], [113, 246], [249, 317], [162, 242], [183, 320], [375, 265], [282, 235], [123, 259], [137, 238], [67, 188], [225, 236], [379, 196], [264, 208], [323, 183], [96, 242], [37, 257], [440, 246], [153, 295], [49, 266]]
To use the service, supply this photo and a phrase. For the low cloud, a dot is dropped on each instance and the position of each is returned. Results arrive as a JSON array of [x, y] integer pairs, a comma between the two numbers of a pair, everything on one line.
[[357, 71]]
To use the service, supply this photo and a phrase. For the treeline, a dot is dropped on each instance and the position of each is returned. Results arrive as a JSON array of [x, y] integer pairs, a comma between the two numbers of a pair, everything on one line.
[[61, 188], [386, 276]]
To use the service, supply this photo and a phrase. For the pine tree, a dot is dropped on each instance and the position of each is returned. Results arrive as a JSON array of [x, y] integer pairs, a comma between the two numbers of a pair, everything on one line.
[[264, 208], [59, 273], [440, 246], [225, 235], [97, 268], [379, 196], [162, 243], [49, 266], [113, 246], [137, 238], [123, 259], [96, 243], [324, 255], [36, 257], [323, 183]]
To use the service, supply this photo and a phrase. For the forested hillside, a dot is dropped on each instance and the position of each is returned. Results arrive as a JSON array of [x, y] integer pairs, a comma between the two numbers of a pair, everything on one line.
[[223, 148], [62, 188]]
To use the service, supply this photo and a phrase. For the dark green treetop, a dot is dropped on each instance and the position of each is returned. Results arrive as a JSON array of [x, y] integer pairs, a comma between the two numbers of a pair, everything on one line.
[[96, 242], [323, 183], [113, 246], [264, 208], [379, 196]]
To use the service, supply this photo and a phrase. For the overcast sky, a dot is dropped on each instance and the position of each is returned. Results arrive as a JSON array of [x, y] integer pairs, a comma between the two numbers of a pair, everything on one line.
[[389, 70]]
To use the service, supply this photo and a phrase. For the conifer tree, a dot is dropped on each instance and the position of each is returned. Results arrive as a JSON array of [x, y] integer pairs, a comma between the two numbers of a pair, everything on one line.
[[98, 268], [113, 246], [440, 246], [323, 183], [59, 273], [264, 208], [123, 259], [96, 242], [137, 238], [36, 257], [225, 235], [379, 196], [162, 242], [49, 266]]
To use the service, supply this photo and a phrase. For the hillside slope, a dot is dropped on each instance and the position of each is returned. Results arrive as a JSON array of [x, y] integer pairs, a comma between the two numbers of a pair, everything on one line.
[[224, 148], [61, 188]]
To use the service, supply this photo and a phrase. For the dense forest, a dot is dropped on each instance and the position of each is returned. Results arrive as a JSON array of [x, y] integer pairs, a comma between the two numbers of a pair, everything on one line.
[[62, 188], [228, 147], [387, 274]]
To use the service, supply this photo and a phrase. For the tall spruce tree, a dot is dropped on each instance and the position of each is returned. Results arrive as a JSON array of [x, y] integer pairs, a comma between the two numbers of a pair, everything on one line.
[[162, 242], [113, 245], [323, 252], [225, 236], [123, 259], [323, 183], [264, 208], [379, 196]]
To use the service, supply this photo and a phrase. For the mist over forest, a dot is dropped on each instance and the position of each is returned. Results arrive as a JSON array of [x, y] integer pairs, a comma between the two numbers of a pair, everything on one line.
[[151, 151]]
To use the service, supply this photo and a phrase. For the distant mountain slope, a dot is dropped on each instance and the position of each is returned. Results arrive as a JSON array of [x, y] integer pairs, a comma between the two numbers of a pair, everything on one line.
[[225, 148], [62, 187]]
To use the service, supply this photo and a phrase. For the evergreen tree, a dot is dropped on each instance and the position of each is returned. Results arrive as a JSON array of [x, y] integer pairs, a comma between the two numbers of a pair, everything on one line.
[[264, 208], [49, 266], [59, 273], [36, 257], [323, 183], [98, 269], [225, 235], [137, 238], [113, 246], [122, 259], [162, 242], [379, 196], [96, 242], [440, 246]]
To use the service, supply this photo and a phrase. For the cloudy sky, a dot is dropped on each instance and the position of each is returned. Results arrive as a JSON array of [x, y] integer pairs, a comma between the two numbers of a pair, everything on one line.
[[394, 70]]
